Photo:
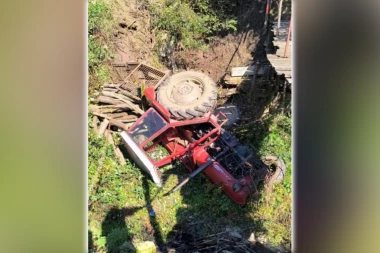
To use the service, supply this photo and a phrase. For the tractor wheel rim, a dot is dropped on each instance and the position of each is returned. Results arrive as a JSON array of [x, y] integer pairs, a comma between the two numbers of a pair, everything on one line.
[[186, 91]]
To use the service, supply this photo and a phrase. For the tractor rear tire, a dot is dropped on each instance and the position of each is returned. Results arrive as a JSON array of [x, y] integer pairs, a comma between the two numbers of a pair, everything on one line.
[[188, 95]]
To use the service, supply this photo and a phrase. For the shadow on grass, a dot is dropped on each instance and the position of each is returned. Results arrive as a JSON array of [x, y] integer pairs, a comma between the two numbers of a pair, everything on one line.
[[152, 217], [207, 216], [114, 228]]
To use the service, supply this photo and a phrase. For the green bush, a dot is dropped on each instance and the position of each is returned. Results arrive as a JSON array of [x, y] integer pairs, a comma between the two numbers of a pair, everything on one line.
[[98, 12], [188, 24]]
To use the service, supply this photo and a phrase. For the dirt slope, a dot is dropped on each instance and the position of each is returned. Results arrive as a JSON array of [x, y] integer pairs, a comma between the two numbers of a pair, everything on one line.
[[224, 53], [133, 38], [134, 41]]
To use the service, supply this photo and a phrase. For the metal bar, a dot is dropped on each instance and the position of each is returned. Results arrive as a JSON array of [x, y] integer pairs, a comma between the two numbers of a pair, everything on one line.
[[287, 40], [165, 160], [197, 171]]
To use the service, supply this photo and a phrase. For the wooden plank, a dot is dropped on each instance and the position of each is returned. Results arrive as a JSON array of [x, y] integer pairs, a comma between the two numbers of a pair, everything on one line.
[[247, 71], [280, 62], [286, 68], [239, 71], [233, 80], [282, 66], [283, 69], [280, 59]]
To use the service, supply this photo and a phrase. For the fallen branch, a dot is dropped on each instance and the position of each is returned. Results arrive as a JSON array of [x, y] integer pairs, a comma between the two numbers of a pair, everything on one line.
[[103, 127], [118, 153], [126, 93], [113, 94], [95, 121], [128, 120], [120, 115], [113, 106], [107, 110], [102, 115], [128, 117], [107, 100], [110, 89], [134, 107], [111, 120], [110, 85], [118, 123]]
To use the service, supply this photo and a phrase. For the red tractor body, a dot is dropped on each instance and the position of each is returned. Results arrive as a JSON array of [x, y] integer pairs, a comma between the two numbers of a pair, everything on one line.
[[193, 142]]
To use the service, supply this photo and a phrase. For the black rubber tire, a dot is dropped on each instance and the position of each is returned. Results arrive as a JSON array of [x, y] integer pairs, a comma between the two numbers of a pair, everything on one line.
[[180, 111], [232, 112], [279, 173]]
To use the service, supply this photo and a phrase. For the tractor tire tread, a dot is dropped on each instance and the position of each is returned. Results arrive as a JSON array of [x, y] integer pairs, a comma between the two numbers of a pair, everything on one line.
[[206, 103]]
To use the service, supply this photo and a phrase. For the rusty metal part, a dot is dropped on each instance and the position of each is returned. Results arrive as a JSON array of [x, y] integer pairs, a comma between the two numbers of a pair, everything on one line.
[[123, 69]]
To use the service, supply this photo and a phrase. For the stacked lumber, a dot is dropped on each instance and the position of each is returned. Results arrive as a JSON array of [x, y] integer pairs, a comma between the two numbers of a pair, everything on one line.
[[114, 110]]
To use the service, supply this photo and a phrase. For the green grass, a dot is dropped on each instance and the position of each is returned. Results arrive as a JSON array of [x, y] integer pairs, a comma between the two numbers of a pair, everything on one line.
[[99, 53], [272, 135]]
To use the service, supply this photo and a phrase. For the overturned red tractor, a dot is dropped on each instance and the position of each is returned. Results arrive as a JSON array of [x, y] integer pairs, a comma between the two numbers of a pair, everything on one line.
[[181, 119]]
